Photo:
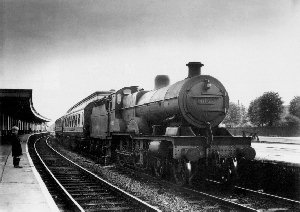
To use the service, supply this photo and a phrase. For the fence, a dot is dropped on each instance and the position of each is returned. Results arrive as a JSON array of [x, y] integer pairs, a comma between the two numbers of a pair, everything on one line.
[[266, 131]]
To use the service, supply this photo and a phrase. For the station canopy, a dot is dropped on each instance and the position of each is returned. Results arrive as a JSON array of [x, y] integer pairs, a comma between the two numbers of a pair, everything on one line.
[[17, 103]]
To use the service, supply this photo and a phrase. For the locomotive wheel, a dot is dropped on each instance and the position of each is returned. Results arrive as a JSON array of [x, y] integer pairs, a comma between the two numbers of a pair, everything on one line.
[[158, 168], [120, 160], [181, 174], [229, 171]]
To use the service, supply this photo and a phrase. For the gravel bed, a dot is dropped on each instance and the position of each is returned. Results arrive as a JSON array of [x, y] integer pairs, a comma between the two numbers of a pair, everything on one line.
[[166, 199]]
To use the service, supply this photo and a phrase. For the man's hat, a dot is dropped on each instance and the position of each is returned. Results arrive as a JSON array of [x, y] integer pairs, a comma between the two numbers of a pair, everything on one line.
[[15, 128]]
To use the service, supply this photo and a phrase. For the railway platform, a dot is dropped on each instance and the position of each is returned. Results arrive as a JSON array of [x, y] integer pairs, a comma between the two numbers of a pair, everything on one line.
[[21, 189], [281, 150]]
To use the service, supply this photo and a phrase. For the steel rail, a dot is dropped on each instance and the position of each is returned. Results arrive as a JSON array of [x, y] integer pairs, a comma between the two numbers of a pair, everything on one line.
[[226, 202], [59, 184], [269, 195], [222, 201], [261, 193], [129, 196]]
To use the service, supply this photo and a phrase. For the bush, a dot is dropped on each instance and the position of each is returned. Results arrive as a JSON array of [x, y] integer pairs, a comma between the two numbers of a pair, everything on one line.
[[295, 106], [292, 121], [266, 109], [254, 111], [271, 108]]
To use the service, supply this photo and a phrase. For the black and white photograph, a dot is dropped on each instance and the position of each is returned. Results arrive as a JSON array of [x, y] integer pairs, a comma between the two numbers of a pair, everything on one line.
[[143, 105]]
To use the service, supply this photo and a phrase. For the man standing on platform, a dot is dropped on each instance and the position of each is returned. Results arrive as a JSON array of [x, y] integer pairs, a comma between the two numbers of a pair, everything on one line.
[[16, 147]]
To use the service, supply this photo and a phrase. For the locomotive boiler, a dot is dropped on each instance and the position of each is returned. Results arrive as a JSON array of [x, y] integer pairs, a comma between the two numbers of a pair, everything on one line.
[[171, 131]]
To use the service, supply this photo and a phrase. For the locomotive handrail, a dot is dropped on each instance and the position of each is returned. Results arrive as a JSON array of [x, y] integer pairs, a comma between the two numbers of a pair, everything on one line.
[[148, 103]]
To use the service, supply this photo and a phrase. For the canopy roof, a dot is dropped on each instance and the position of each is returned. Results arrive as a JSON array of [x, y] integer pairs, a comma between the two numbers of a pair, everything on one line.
[[17, 103]]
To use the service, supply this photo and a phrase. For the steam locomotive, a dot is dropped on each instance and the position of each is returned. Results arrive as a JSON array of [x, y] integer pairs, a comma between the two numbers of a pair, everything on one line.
[[172, 131]]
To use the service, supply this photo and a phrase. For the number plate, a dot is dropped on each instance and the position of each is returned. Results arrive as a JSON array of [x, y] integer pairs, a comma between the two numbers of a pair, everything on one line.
[[206, 100]]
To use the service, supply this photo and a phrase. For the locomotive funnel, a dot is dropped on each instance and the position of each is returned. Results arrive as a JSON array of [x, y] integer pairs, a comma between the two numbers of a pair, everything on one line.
[[194, 68], [161, 81]]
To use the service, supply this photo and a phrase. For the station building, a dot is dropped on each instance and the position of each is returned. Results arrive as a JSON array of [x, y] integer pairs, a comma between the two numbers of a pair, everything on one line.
[[16, 109]]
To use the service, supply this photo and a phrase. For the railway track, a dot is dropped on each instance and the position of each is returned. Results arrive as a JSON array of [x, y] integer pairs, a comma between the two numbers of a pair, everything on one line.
[[235, 199], [250, 199], [75, 188]]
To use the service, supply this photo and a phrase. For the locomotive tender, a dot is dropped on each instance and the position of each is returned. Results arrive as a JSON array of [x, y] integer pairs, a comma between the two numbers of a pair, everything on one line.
[[172, 130]]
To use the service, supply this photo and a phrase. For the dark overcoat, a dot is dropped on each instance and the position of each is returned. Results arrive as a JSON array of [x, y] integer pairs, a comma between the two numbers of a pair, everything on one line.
[[16, 147]]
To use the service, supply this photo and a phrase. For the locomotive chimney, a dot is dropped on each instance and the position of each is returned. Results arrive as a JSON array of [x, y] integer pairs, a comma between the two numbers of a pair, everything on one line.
[[161, 81], [194, 68]]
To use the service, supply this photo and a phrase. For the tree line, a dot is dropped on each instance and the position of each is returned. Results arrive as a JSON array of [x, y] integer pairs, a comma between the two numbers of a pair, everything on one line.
[[266, 110]]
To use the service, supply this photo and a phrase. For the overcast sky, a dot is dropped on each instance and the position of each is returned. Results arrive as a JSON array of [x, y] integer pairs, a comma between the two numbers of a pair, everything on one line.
[[67, 49]]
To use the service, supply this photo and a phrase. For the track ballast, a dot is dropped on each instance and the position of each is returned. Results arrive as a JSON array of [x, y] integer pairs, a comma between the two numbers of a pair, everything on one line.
[[75, 188]]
